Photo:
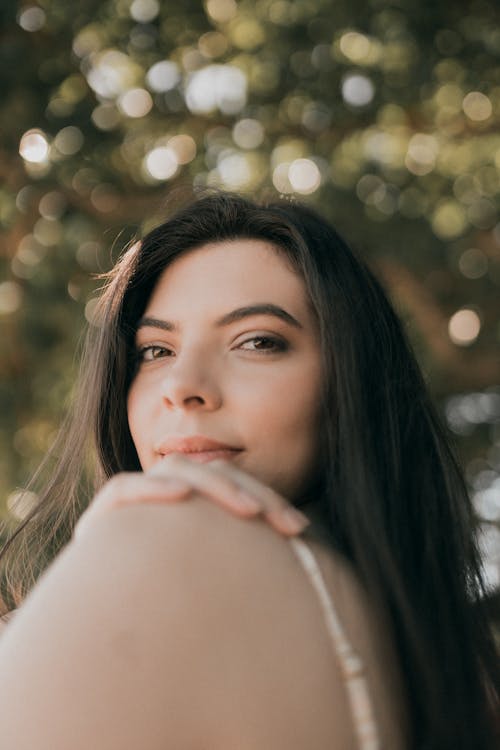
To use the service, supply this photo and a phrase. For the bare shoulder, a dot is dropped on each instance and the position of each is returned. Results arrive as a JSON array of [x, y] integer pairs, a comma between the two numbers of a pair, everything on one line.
[[117, 644], [178, 610], [261, 629]]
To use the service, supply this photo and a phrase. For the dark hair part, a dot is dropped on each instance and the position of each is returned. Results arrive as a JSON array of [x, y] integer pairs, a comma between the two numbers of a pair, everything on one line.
[[394, 500]]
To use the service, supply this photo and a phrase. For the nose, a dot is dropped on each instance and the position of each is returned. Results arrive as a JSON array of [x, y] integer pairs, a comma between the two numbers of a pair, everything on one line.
[[191, 384]]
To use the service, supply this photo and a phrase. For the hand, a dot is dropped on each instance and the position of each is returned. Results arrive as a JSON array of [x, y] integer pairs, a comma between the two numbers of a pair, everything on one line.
[[175, 478]]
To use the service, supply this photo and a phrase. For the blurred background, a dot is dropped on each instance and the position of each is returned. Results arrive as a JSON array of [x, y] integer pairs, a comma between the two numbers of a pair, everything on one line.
[[383, 114]]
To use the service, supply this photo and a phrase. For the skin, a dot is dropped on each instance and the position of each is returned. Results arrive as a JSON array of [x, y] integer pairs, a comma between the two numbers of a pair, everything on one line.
[[112, 649], [253, 383], [219, 381]]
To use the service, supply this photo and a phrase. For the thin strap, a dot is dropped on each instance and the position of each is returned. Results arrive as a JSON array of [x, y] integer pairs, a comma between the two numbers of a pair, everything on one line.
[[351, 664]]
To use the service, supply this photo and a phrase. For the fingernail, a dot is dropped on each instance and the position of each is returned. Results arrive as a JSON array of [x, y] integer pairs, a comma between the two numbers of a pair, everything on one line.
[[294, 519]]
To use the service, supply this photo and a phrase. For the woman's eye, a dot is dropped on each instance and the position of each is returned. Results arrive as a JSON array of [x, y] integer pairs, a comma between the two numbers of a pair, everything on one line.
[[263, 344], [151, 352]]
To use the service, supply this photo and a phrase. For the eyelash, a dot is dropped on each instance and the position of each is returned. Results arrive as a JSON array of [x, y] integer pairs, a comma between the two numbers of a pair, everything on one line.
[[150, 348], [278, 346]]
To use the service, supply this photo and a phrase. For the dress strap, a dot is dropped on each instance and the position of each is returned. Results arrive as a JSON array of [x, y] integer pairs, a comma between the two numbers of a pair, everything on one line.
[[352, 666]]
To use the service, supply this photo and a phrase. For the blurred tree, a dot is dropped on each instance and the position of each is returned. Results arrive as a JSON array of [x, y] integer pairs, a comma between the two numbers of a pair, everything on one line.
[[383, 114]]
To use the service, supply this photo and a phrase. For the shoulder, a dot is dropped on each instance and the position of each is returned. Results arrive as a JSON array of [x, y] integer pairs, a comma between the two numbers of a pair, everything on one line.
[[191, 544], [216, 578], [194, 545], [243, 597], [185, 607], [129, 626], [176, 610]]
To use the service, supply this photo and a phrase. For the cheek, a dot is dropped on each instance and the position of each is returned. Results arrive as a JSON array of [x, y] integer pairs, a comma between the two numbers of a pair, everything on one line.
[[131, 402], [300, 423], [136, 415], [300, 401], [287, 419]]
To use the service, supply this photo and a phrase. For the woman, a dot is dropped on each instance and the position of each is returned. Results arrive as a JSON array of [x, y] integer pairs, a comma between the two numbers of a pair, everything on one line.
[[243, 355]]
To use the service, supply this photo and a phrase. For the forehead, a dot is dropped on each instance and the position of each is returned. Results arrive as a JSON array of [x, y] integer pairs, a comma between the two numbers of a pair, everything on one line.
[[232, 272]]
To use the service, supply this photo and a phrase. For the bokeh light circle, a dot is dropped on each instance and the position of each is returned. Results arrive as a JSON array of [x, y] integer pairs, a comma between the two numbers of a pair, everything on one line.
[[304, 176], [357, 90], [161, 163], [464, 327], [34, 146]]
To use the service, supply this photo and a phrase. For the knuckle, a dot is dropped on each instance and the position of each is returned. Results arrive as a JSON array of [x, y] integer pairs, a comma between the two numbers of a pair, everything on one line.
[[160, 467], [175, 457], [217, 463], [171, 460]]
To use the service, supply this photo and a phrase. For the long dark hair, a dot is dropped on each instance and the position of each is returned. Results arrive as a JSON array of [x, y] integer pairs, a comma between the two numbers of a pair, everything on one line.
[[393, 498]]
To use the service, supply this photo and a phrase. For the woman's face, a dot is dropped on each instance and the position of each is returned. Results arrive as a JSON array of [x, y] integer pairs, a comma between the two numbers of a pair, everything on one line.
[[229, 351]]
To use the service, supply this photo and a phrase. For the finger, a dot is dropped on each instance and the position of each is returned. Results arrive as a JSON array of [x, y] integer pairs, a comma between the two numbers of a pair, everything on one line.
[[213, 480], [281, 514], [128, 488], [132, 489], [288, 520], [235, 490]]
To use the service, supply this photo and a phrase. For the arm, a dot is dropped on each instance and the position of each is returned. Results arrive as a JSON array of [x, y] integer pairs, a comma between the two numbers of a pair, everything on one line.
[[171, 628], [157, 628], [102, 654]]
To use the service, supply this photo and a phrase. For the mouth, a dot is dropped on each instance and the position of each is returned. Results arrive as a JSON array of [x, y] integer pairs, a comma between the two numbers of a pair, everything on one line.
[[196, 447], [203, 457]]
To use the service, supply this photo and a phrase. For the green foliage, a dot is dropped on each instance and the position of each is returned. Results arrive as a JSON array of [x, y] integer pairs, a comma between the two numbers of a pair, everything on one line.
[[383, 114]]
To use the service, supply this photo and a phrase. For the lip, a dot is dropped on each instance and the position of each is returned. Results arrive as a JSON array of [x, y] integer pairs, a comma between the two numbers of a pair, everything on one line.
[[198, 447]]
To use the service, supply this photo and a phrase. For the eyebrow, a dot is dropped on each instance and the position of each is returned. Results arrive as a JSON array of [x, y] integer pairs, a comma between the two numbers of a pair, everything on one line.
[[232, 317]]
